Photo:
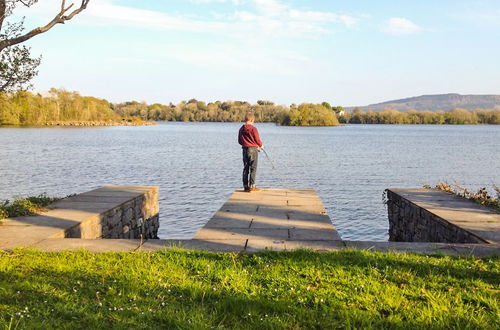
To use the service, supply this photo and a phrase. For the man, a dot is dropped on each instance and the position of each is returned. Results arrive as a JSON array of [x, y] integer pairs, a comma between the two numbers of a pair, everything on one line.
[[249, 139]]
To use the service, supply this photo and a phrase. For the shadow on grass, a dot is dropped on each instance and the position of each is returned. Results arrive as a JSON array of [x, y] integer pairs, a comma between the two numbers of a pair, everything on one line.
[[418, 264]]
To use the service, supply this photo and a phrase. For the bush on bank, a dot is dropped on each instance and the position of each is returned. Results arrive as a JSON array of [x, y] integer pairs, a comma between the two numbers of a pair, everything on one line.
[[25, 206]]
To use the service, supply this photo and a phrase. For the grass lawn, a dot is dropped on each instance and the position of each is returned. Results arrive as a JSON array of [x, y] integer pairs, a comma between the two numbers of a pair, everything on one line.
[[268, 290]]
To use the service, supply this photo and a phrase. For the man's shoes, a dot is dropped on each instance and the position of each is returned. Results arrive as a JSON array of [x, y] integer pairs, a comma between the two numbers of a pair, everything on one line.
[[250, 189]]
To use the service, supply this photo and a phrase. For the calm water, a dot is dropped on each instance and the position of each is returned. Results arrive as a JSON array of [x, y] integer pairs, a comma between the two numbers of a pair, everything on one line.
[[198, 165]]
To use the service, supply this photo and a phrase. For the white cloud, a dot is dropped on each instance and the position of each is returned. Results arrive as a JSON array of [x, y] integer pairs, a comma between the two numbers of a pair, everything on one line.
[[316, 16], [271, 7], [246, 36], [271, 18], [275, 18], [108, 13], [400, 26], [259, 18]]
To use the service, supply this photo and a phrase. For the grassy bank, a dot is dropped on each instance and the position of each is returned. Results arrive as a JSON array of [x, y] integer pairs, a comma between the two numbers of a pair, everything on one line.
[[302, 289]]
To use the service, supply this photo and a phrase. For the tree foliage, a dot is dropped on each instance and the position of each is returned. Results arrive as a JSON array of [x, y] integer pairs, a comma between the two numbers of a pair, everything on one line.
[[194, 110], [308, 114], [25, 108], [17, 66], [59, 105], [452, 117]]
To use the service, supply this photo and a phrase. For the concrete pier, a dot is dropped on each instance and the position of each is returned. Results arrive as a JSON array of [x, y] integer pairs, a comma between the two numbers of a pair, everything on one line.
[[276, 219]]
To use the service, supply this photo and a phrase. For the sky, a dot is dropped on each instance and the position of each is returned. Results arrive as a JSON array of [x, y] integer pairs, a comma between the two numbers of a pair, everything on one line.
[[287, 51]]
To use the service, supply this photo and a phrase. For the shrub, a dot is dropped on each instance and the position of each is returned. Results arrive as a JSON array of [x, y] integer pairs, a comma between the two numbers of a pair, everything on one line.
[[27, 206]]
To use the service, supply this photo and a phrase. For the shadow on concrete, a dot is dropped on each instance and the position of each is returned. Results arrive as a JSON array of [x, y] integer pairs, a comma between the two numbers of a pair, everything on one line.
[[268, 222]]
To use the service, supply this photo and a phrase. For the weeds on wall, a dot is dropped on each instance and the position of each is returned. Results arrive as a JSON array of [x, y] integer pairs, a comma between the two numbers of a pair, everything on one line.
[[26, 206], [482, 196]]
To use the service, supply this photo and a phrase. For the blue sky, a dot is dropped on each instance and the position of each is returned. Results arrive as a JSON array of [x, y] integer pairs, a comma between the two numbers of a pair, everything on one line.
[[287, 51]]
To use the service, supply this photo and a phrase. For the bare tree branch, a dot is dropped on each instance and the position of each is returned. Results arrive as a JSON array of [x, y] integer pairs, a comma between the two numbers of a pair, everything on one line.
[[27, 4], [60, 18]]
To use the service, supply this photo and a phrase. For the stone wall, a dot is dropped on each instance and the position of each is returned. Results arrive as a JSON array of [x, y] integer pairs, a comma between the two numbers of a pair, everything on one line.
[[134, 219], [135, 213], [409, 222]]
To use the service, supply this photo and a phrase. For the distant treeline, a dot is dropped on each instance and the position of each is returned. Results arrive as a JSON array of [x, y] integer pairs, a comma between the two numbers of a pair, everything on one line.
[[199, 111], [26, 108], [305, 114], [454, 117]]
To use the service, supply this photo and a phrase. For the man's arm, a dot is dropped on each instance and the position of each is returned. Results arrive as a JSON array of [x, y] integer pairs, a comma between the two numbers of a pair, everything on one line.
[[240, 141], [257, 138]]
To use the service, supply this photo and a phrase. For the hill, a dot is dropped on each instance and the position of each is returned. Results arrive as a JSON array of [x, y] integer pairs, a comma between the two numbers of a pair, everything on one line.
[[439, 102]]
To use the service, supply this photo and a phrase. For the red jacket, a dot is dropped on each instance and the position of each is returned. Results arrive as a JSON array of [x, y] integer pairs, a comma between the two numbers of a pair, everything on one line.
[[248, 136]]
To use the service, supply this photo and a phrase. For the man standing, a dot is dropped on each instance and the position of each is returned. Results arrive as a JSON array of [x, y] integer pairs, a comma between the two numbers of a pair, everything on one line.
[[249, 139]]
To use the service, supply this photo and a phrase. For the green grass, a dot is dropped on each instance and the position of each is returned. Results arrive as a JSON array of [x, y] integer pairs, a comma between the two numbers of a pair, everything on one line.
[[270, 290], [25, 206]]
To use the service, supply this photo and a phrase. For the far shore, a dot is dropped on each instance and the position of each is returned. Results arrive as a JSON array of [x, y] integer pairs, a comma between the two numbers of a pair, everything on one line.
[[86, 124]]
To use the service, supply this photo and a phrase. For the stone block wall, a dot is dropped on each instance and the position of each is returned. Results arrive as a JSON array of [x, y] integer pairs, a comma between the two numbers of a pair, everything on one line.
[[409, 222], [135, 217]]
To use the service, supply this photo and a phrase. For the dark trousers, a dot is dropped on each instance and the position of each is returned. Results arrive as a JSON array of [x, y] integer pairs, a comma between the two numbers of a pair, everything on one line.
[[250, 158]]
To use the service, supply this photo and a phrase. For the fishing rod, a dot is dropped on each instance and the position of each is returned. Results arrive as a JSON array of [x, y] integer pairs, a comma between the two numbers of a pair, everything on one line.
[[278, 174], [268, 158]]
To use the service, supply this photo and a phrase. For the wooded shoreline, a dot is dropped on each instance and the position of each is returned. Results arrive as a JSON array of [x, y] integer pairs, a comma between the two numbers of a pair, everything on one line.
[[64, 108]]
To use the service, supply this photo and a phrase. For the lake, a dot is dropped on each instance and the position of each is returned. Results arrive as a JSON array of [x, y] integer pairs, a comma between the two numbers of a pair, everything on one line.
[[198, 165]]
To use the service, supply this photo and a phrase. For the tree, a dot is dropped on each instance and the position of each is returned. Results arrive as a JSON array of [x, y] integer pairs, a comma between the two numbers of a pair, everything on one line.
[[326, 105], [17, 67], [308, 114]]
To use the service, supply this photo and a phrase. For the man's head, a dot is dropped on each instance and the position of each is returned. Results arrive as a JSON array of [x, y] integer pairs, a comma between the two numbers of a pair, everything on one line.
[[249, 118]]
